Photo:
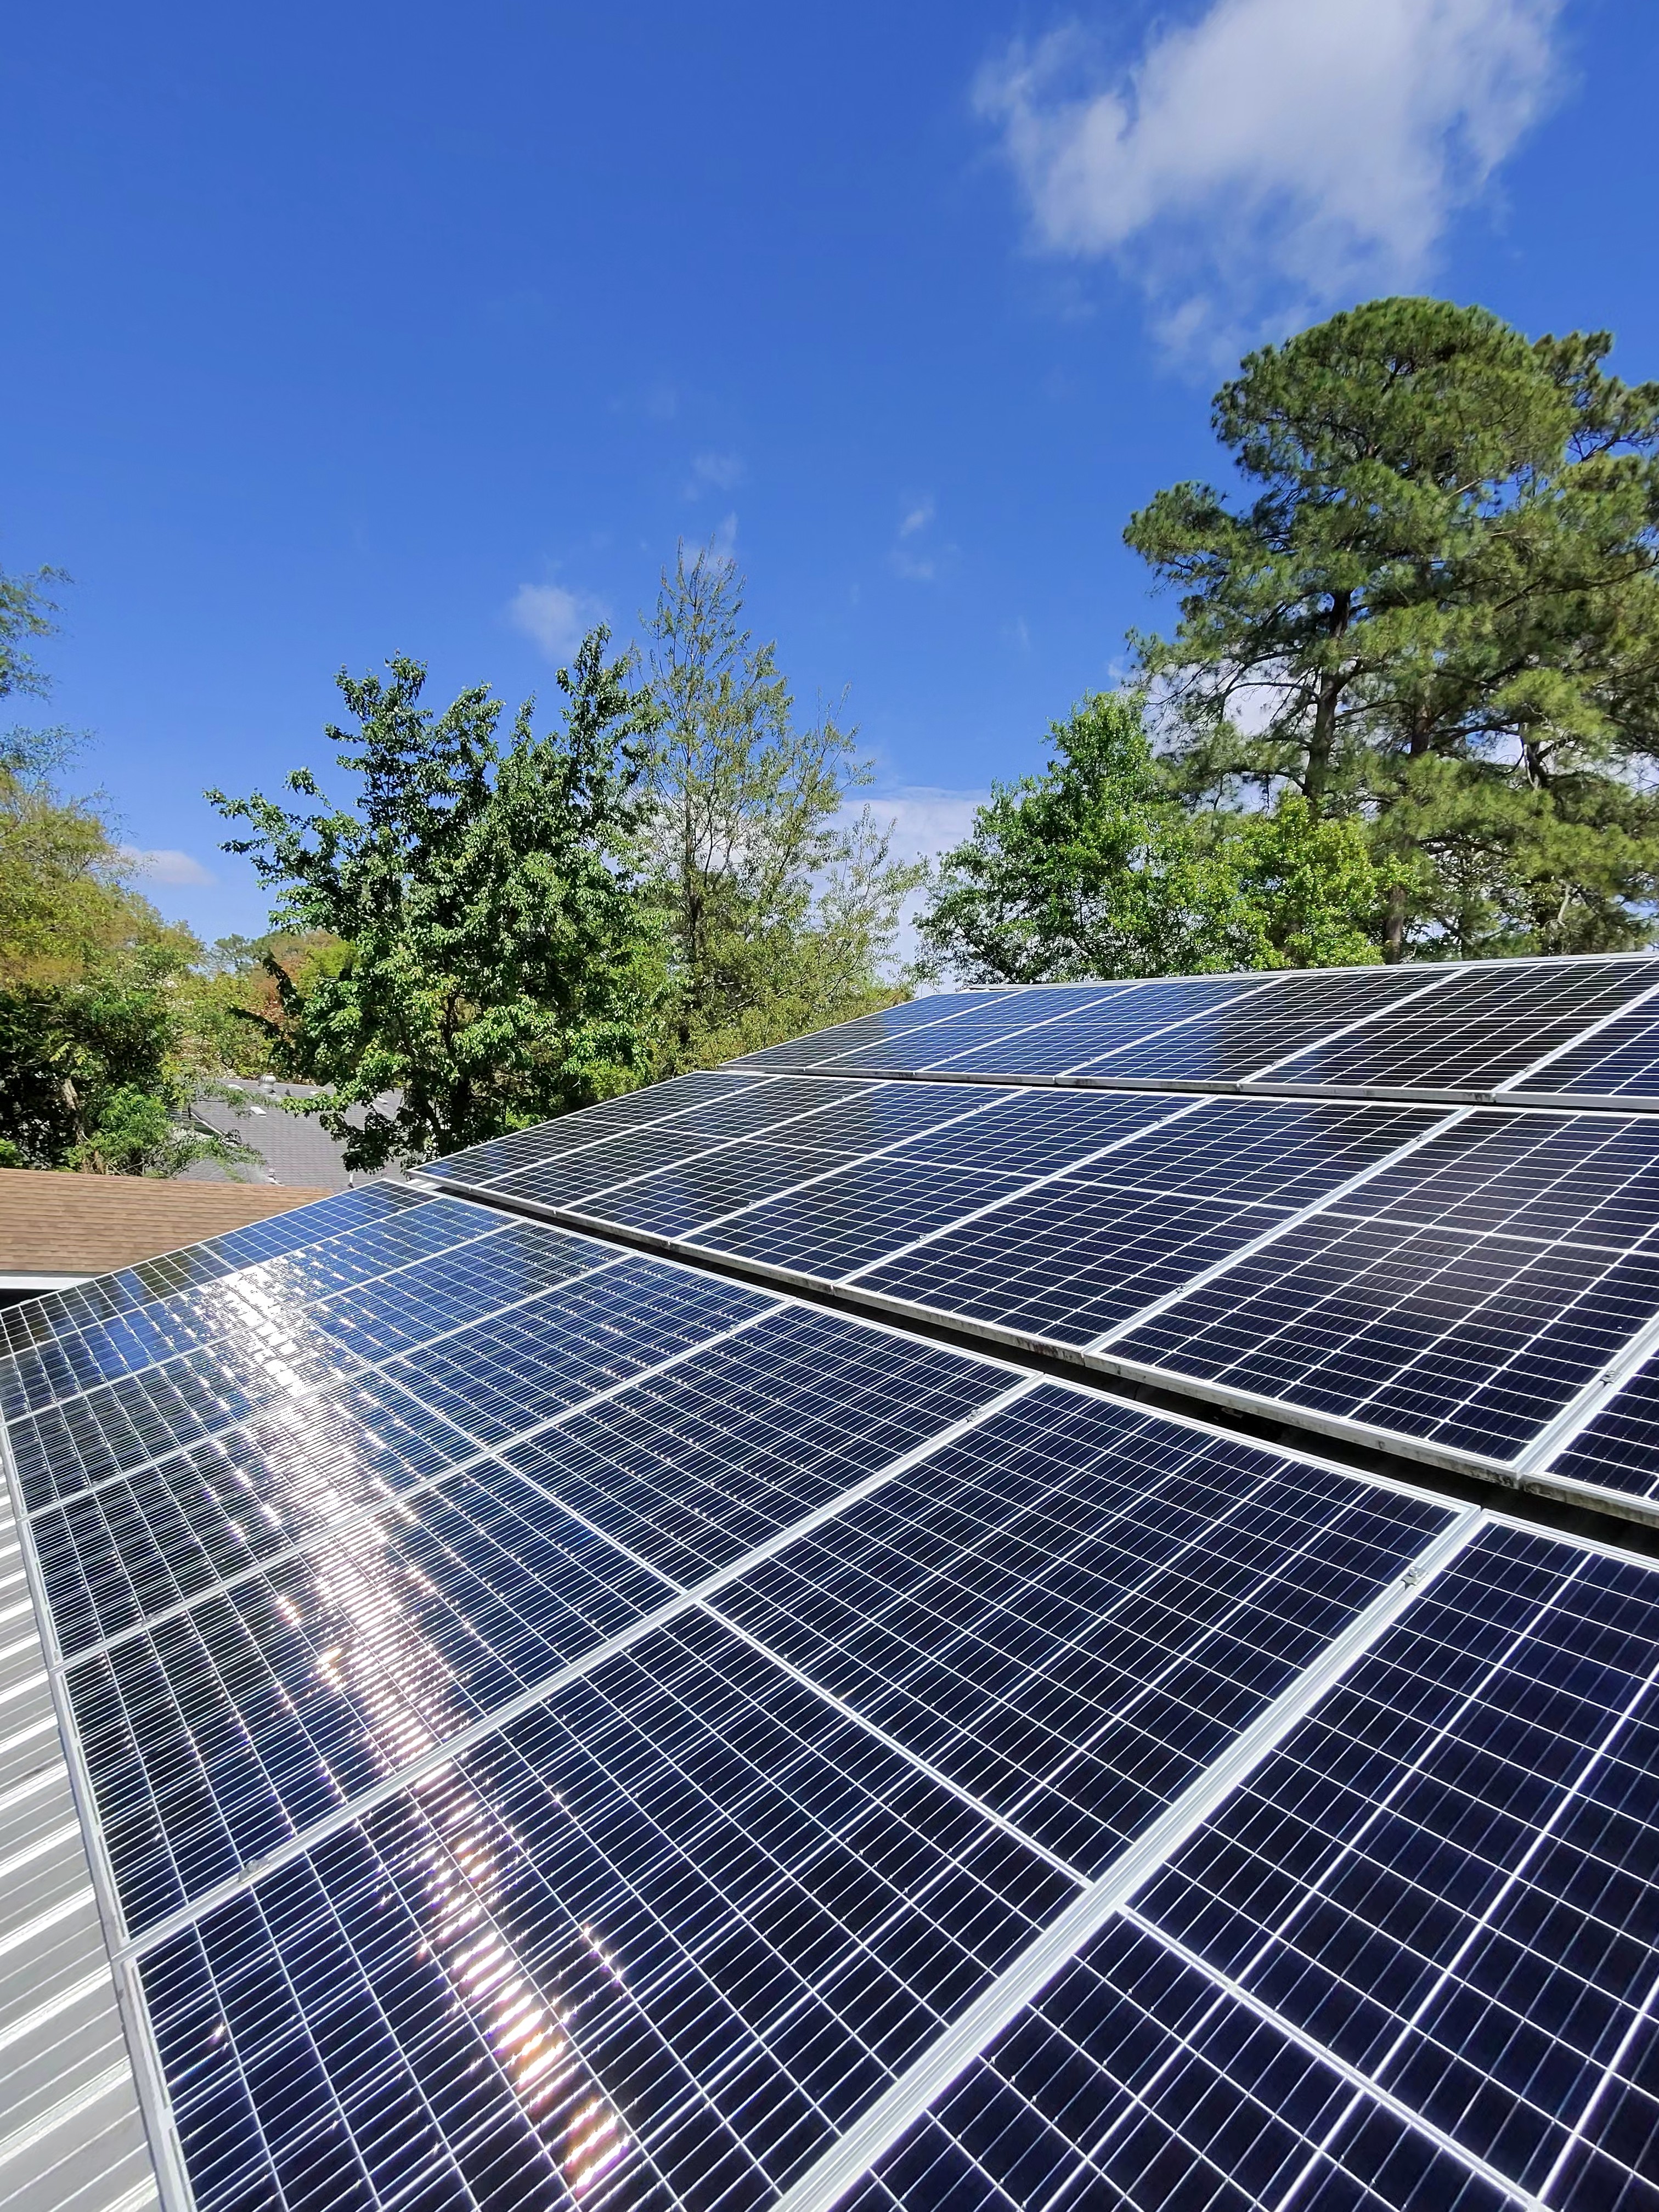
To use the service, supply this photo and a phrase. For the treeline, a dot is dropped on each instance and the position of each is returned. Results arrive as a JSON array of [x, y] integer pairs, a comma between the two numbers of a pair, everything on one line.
[[1406, 710]]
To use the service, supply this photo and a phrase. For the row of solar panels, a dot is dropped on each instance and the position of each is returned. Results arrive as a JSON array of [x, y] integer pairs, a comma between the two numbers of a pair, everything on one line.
[[1585, 1029], [558, 1725], [1475, 1287]]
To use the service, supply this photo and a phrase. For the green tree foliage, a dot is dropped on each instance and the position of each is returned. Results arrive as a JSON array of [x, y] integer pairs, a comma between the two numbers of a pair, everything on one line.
[[1095, 869], [97, 1064], [781, 906], [1438, 613], [502, 964]]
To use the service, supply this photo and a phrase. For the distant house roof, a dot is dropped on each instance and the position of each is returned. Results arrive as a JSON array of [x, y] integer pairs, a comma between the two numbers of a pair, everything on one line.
[[57, 1228], [293, 1148]]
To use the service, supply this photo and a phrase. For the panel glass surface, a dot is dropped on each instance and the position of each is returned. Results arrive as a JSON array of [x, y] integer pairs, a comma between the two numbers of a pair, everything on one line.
[[1487, 1026], [1056, 1038], [1619, 1449], [659, 1102], [888, 1023], [1621, 1060]]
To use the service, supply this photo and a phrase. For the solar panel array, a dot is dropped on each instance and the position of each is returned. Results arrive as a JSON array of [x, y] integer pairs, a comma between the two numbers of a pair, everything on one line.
[[615, 1677]]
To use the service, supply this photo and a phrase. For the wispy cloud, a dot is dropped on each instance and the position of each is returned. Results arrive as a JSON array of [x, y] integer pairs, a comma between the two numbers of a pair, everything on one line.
[[161, 865], [714, 472], [1275, 156], [913, 557], [553, 618]]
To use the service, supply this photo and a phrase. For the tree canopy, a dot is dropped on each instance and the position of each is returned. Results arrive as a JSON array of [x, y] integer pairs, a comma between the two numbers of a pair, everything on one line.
[[1437, 612], [780, 899], [1094, 868], [499, 961]]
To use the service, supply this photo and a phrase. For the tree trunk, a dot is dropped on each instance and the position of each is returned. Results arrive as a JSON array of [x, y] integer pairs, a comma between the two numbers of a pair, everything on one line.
[[1323, 743], [1393, 933]]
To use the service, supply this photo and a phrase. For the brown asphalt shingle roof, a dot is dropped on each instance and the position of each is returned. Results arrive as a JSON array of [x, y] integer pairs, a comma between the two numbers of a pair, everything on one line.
[[53, 1223]]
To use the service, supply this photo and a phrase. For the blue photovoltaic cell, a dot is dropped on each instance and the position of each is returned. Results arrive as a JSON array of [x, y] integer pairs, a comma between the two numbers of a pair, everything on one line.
[[1055, 1039], [888, 1023], [270, 1353], [1619, 1062], [76, 1339], [1072, 1610], [652, 1944], [1489, 1024], [1449, 1874], [1472, 1343], [1134, 2082], [659, 1102], [1619, 1449]]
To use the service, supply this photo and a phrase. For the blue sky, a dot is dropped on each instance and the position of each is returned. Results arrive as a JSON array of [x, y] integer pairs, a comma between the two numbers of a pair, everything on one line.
[[333, 332]]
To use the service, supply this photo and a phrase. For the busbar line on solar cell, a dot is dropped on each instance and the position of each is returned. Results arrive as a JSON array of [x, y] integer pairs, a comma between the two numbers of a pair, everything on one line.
[[1333, 1201], [290, 1390], [1466, 1830], [339, 1524], [880, 2126], [688, 1600], [907, 1751], [1364, 2084], [237, 1306], [46, 1332], [1584, 1038], [992, 1205], [62, 1358]]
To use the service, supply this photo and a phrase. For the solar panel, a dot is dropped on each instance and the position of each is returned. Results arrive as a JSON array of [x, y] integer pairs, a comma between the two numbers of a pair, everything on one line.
[[554, 1724]]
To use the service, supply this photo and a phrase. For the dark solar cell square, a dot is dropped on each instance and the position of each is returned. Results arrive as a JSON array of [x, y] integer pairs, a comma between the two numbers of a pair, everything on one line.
[[690, 1468], [1489, 1024], [888, 1023], [545, 1139], [501, 1376], [652, 1945], [676, 1197], [1248, 1152], [1073, 1609], [1238, 1039], [1473, 1342], [1619, 1449], [270, 1353], [1619, 1062], [1138, 1012], [852, 1119], [1592, 1178], [112, 1555], [1035, 1132], [1449, 1872], [1135, 2082], [75, 1355], [213, 1737], [1068, 1261], [845, 1220], [961, 1041]]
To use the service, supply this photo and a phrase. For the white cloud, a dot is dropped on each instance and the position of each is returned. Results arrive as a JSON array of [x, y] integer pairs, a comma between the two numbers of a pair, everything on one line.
[[714, 472], [1274, 156], [918, 518], [552, 617], [164, 865], [917, 563], [723, 538], [927, 819]]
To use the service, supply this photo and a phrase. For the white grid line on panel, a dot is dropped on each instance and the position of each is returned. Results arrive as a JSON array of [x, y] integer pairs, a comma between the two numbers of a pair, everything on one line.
[[239, 1324], [1330, 1202], [753, 1136], [926, 2080], [371, 1510], [1312, 1885], [992, 992], [687, 1600], [1006, 1197], [1577, 1416], [1591, 1030], [1119, 996], [1226, 1987], [758, 1080], [345, 1375], [1609, 2076], [234, 1280], [936, 1774], [1262, 989], [1346, 1028]]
